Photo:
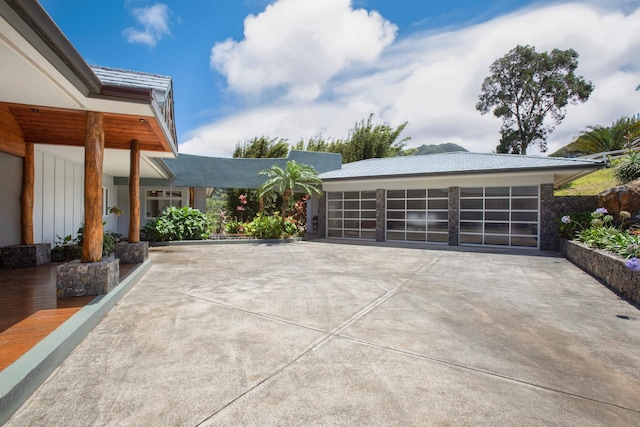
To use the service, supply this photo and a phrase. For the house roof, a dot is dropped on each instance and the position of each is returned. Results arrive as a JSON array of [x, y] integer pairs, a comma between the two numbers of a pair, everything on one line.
[[456, 163], [217, 172], [128, 78]]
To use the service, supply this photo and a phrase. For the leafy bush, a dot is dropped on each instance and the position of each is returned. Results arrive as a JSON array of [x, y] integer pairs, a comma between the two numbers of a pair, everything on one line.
[[178, 224], [271, 227], [627, 169]]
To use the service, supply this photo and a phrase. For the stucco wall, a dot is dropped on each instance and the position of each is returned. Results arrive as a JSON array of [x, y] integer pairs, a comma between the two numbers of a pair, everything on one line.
[[11, 179]]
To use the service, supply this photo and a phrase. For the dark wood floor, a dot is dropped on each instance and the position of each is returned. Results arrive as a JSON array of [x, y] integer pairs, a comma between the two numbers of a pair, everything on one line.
[[29, 309]]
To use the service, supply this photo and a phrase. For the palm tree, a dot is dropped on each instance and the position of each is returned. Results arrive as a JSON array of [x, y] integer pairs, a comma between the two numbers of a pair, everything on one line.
[[623, 133], [294, 177]]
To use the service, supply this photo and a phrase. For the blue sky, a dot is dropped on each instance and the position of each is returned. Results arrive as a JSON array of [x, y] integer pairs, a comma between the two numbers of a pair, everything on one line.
[[299, 68]]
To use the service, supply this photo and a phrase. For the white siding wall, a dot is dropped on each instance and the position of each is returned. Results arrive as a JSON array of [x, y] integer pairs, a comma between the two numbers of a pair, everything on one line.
[[10, 187], [59, 197]]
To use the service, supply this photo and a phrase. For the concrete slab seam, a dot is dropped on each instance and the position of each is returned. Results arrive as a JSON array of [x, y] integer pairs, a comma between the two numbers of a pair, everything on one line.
[[323, 340]]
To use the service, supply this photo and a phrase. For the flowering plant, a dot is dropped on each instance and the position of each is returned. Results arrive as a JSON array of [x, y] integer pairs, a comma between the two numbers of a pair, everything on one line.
[[599, 232]]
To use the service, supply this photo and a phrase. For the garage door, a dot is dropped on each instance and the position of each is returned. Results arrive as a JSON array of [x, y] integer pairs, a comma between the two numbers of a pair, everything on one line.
[[351, 214], [418, 215], [504, 216]]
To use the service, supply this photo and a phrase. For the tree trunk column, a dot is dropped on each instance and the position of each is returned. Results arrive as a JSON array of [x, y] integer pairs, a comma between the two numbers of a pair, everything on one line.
[[192, 197], [93, 158], [26, 197], [134, 193]]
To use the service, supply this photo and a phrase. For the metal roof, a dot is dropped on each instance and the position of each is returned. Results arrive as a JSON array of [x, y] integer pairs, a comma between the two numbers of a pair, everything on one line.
[[127, 78], [456, 163]]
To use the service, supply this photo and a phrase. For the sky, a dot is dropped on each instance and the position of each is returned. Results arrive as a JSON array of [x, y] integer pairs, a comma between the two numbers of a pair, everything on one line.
[[297, 69]]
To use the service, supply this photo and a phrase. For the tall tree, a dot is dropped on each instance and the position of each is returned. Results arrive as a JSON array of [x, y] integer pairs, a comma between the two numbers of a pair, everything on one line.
[[366, 140], [530, 92], [284, 181], [262, 147]]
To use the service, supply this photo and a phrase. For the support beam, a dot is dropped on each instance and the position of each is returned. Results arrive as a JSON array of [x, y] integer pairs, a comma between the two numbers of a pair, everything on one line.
[[26, 197], [192, 197], [134, 193], [93, 158]]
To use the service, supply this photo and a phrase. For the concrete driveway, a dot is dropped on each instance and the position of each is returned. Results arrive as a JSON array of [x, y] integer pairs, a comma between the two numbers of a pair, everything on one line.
[[318, 333]]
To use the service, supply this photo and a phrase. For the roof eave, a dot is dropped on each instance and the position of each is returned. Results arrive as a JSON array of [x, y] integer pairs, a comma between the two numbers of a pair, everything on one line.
[[585, 168]]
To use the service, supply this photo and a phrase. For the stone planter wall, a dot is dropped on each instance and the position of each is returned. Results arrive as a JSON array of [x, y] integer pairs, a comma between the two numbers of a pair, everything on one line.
[[604, 266]]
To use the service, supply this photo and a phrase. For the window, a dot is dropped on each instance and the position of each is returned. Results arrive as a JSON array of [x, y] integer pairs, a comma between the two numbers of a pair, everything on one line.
[[418, 215], [351, 214], [503, 216], [156, 201]]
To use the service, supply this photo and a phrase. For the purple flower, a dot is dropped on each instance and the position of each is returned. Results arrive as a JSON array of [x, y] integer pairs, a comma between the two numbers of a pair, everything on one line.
[[633, 264], [566, 219], [602, 210]]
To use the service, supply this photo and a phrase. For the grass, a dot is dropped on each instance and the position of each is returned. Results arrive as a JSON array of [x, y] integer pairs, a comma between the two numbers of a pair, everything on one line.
[[589, 185]]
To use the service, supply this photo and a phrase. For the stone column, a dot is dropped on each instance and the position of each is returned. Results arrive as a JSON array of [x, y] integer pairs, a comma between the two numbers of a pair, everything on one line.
[[381, 203], [548, 225], [454, 215], [322, 215]]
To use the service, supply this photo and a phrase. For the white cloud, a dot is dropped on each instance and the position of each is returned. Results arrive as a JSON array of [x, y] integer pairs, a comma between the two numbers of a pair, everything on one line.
[[299, 45], [155, 25], [430, 80]]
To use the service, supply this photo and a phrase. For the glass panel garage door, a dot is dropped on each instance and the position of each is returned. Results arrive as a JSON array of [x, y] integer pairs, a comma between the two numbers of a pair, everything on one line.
[[418, 215], [351, 214], [499, 216]]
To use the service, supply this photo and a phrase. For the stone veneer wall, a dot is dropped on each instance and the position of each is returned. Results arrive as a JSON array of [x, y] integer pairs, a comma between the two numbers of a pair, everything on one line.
[[454, 215], [381, 203], [604, 266], [563, 205]]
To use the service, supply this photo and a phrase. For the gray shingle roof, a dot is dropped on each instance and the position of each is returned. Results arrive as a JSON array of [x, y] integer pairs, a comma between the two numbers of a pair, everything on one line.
[[456, 163]]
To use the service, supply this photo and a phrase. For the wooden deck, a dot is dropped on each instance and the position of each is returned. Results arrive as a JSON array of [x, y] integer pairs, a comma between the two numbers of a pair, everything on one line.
[[29, 309]]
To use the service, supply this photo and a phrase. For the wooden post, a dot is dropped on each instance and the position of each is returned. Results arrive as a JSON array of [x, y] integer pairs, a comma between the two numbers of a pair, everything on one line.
[[26, 197], [134, 193], [192, 197], [93, 157]]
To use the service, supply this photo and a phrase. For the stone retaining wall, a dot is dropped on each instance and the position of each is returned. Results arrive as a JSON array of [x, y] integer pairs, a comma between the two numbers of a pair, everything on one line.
[[604, 266]]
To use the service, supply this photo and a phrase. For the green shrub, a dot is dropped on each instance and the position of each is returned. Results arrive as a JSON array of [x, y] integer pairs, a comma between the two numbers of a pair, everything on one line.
[[271, 227], [627, 168], [178, 224], [235, 227]]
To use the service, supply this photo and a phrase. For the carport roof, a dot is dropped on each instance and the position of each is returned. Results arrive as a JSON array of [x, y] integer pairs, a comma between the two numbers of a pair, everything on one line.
[[456, 163], [217, 172]]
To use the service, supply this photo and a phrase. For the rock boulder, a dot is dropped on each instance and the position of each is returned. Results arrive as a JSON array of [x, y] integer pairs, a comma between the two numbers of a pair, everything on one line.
[[621, 198]]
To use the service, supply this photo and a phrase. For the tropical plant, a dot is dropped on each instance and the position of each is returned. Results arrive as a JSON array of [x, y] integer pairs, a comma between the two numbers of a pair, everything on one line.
[[530, 91], [69, 248], [284, 181], [623, 133], [627, 169], [271, 227], [178, 224]]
